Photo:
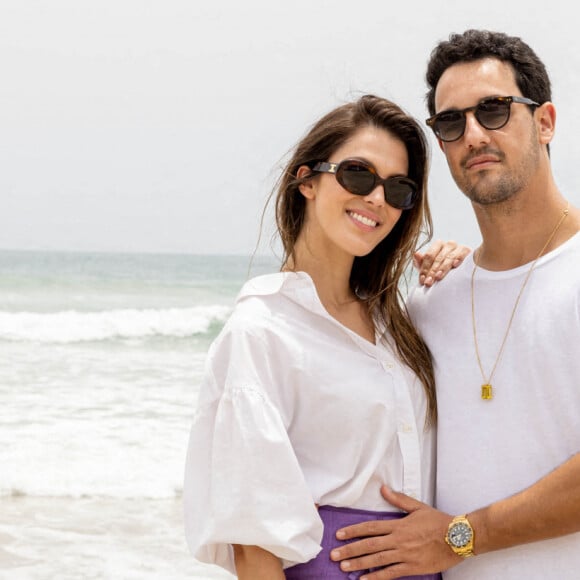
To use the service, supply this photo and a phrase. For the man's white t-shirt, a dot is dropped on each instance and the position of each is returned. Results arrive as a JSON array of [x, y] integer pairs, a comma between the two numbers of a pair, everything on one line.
[[490, 449]]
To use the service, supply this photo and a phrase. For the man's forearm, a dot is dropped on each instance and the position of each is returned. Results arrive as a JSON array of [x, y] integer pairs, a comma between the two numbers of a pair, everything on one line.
[[415, 544], [550, 508]]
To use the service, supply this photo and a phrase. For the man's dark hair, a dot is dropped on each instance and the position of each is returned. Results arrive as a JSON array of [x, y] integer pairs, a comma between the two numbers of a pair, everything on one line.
[[529, 71]]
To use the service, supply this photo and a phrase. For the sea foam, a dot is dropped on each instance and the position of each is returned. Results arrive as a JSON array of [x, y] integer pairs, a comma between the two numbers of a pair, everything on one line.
[[73, 326]]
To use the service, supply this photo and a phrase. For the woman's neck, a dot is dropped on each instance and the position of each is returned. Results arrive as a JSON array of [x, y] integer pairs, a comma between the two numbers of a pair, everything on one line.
[[330, 274], [331, 277]]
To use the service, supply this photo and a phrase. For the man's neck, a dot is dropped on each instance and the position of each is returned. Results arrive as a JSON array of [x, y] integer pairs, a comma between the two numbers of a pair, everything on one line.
[[515, 234]]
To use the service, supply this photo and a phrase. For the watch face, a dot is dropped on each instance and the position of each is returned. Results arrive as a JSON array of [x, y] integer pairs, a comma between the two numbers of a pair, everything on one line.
[[460, 535]]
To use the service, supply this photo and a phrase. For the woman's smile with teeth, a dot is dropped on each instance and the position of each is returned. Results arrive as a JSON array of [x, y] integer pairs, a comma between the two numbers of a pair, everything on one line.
[[362, 219]]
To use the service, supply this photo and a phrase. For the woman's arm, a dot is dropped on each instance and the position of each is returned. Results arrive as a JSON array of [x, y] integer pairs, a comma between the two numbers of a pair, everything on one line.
[[253, 563]]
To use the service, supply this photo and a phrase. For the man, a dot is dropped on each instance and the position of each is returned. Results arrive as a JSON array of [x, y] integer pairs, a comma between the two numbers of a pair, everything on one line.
[[504, 330]]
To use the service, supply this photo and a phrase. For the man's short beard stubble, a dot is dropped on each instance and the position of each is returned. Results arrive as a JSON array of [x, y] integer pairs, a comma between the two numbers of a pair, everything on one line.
[[486, 190]]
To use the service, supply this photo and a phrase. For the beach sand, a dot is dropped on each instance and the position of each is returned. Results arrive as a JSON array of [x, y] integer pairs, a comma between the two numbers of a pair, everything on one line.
[[91, 538]]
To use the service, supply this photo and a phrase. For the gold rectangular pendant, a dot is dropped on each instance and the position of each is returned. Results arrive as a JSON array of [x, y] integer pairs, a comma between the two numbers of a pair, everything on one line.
[[486, 392]]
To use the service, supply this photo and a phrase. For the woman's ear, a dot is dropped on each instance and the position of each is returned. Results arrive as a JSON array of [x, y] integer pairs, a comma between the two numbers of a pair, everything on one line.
[[308, 187]]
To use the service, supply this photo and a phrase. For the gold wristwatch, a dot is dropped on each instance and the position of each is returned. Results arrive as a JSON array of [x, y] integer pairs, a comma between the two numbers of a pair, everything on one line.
[[460, 536]]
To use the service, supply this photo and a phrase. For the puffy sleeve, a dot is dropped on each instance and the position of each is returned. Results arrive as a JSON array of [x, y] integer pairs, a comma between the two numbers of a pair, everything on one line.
[[243, 483]]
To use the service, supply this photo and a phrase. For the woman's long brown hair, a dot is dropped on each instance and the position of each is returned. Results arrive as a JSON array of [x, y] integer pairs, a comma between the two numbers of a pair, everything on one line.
[[378, 277]]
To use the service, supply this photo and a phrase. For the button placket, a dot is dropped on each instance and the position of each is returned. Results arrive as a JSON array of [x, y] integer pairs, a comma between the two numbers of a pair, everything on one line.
[[408, 438]]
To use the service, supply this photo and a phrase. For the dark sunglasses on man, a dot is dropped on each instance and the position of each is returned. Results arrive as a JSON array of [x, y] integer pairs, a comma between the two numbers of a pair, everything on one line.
[[360, 178], [491, 113]]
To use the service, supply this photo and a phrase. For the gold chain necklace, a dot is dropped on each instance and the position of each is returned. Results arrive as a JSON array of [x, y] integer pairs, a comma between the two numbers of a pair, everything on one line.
[[486, 388]]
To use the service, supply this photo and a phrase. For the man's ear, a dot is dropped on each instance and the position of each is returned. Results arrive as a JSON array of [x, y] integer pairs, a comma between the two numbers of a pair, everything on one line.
[[546, 118], [307, 189]]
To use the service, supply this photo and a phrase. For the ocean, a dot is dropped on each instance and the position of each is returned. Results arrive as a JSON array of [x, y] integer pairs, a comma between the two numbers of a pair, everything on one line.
[[101, 356]]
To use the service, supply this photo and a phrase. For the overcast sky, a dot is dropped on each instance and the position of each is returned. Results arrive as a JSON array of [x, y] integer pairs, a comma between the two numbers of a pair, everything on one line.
[[160, 126]]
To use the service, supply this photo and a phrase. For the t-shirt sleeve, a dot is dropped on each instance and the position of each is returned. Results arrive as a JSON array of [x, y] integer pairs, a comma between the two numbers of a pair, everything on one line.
[[243, 483]]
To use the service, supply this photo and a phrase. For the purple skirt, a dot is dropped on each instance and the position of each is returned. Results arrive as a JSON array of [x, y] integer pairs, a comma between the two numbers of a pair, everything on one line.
[[322, 567]]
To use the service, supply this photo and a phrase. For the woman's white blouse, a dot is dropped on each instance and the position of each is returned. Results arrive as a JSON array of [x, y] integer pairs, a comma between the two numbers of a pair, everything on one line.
[[296, 409]]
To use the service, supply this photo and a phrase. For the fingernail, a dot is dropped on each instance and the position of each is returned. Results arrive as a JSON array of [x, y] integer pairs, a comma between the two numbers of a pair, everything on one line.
[[335, 554], [429, 281], [439, 275], [345, 565], [422, 278], [340, 535]]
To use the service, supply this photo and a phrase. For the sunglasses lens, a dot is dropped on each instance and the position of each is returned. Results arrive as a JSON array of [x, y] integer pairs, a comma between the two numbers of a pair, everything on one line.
[[356, 178], [400, 192], [449, 126], [493, 113]]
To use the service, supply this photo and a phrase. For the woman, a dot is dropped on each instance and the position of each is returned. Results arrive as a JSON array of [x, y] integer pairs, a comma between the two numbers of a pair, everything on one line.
[[319, 389]]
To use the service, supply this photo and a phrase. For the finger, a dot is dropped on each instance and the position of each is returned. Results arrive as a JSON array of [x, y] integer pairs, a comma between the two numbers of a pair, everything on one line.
[[430, 255], [365, 530], [461, 254], [444, 262], [447, 252], [429, 258], [400, 500], [451, 256], [417, 260], [362, 549], [370, 561], [390, 573]]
